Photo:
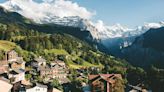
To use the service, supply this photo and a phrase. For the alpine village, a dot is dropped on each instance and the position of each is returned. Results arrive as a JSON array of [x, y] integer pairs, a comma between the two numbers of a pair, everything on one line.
[[54, 57]]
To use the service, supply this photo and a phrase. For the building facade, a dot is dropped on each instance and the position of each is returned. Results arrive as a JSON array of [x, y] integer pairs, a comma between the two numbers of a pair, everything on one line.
[[103, 82], [38, 88], [12, 55]]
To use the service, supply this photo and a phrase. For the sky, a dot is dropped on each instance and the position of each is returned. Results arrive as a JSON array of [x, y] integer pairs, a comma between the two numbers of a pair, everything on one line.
[[130, 13], [126, 12]]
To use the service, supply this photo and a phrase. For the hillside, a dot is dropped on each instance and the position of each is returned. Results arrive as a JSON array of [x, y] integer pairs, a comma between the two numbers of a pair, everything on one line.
[[75, 47], [7, 17], [147, 52], [6, 45], [149, 47]]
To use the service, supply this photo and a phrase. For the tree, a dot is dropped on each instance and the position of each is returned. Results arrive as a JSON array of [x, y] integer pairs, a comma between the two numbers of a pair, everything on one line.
[[119, 86], [28, 76], [55, 83], [79, 61], [156, 79], [136, 75]]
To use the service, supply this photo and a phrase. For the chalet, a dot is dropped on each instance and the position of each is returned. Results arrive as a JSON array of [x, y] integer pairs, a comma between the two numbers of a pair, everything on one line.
[[12, 55], [38, 88], [38, 62], [3, 66], [46, 72], [17, 75], [53, 72], [5, 86], [102, 82], [18, 65], [57, 69], [14, 61], [58, 62]]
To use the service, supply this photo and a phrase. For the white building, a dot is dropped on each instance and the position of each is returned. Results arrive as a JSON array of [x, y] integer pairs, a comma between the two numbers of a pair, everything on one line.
[[5, 86], [18, 75], [38, 88], [56, 90], [38, 62]]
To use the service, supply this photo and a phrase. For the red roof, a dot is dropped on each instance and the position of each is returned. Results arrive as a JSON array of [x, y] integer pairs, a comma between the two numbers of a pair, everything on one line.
[[105, 77]]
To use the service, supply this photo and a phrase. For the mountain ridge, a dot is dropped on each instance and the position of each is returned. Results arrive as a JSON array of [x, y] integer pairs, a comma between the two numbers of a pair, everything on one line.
[[109, 39], [98, 30], [148, 47]]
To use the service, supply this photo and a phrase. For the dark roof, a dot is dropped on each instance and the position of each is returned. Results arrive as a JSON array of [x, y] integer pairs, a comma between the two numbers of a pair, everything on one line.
[[105, 77], [13, 72], [56, 66], [136, 87], [17, 71]]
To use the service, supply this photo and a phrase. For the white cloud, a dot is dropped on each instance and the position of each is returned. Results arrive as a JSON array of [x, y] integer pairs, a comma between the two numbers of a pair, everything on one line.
[[47, 9]]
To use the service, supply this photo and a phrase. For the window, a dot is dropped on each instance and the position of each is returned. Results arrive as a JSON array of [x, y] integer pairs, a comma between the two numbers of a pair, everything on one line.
[[37, 89]]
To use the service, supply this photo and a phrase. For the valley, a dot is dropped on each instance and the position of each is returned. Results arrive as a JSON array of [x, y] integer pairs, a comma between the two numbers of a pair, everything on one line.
[[75, 54]]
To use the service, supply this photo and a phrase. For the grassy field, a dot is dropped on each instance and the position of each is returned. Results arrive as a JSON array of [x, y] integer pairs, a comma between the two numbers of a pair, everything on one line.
[[84, 65], [6, 45], [57, 51]]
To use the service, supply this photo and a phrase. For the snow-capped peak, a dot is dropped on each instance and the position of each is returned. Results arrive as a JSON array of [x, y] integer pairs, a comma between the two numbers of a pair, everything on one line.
[[47, 9], [153, 25], [67, 13], [113, 31]]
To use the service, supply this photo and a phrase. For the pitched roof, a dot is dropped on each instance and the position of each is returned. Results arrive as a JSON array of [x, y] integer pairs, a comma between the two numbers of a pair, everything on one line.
[[12, 51], [6, 86], [17, 71], [105, 77], [59, 62], [13, 72], [56, 66], [37, 85]]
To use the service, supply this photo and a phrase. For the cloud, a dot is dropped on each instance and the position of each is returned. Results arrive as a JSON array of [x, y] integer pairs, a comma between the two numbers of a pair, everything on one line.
[[47, 9]]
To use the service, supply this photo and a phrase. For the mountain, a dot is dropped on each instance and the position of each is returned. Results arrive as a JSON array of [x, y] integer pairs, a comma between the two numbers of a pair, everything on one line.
[[53, 41], [110, 39], [98, 30], [147, 49], [17, 19], [126, 37], [48, 17]]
